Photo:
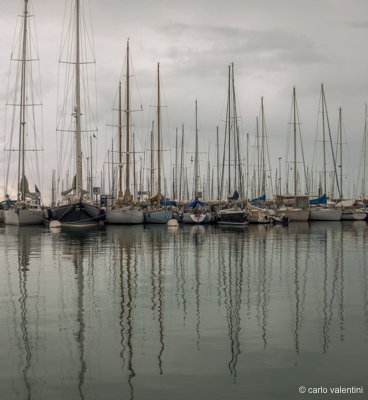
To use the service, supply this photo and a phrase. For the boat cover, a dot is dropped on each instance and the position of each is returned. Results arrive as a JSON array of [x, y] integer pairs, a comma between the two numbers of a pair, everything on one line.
[[195, 202], [319, 200], [261, 198]]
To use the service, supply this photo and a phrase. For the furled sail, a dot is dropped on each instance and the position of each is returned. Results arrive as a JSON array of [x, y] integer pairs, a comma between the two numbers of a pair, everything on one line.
[[24, 186], [68, 191]]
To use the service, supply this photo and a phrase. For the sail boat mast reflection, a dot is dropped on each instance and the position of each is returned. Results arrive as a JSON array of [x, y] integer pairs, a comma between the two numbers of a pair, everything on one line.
[[127, 278], [23, 263], [235, 295], [80, 335], [25, 303], [157, 287]]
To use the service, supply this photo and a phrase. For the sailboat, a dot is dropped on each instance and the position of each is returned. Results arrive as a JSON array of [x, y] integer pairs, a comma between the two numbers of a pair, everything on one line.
[[324, 213], [76, 209], [295, 213], [156, 214], [123, 211], [27, 210]]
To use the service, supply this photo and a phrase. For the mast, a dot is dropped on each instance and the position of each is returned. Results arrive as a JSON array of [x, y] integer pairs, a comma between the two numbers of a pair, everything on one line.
[[53, 197], [196, 152], [218, 163], [294, 129], [238, 170], [365, 150], [134, 170], [324, 112], [158, 132], [120, 194], [21, 155], [247, 165], [324, 141], [181, 186], [258, 163], [127, 111], [229, 130], [176, 167], [91, 167], [340, 136], [77, 111], [152, 161], [263, 150]]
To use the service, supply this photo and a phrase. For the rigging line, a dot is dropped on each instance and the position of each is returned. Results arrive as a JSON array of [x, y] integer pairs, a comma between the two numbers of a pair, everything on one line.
[[268, 157], [317, 128], [33, 118], [302, 148], [331, 145]]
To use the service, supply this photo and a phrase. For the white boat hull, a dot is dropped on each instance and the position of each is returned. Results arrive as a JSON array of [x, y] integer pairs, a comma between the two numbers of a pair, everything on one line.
[[297, 215], [353, 215], [157, 216], [23, 217], [124, 216], [325, 214], [191, 218]]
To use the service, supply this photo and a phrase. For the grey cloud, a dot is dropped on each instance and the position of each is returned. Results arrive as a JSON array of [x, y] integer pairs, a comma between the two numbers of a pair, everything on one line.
[[359, 25], [269, 45]]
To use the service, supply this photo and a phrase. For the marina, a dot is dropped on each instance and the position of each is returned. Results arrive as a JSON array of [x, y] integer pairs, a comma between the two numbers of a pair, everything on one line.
[[168, 231]]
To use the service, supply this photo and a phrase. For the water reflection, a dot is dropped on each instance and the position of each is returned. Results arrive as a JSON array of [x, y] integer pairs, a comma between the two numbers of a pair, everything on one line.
[[134, 308], [75, 247], [24, 296]]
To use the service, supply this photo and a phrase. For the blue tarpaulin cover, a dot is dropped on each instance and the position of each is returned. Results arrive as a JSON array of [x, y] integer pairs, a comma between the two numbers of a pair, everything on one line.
[[319, 200], [261, 198], [168, 202], [195, 202]]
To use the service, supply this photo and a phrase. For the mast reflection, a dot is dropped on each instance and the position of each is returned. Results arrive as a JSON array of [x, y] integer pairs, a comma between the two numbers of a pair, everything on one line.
[[25, 303], [126, 243]]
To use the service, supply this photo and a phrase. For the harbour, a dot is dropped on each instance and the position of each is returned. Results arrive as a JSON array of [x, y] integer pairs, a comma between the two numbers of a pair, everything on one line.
[[183, 201]]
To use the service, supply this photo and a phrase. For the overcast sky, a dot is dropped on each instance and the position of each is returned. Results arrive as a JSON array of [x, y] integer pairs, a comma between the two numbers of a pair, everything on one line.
[[275, 44]]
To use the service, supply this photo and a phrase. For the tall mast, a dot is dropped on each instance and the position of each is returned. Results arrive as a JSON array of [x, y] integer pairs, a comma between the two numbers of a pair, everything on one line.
[[196, 152], [238, 170], [263, 149], [181, 186], [77, 110], [158, 131], [21, 161], [134, 170], [247, 165], [152, 160], [340, 137], [120, 194], [258, 163], [176, 166], [229, 130], [218, 163], [365, 150], [91, 167], [53, 197], [325, 114], [324, 140], [294, 129], [127, 176]]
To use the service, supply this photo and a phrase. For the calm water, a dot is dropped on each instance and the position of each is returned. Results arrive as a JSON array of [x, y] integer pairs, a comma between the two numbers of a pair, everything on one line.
[[191, 313]]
